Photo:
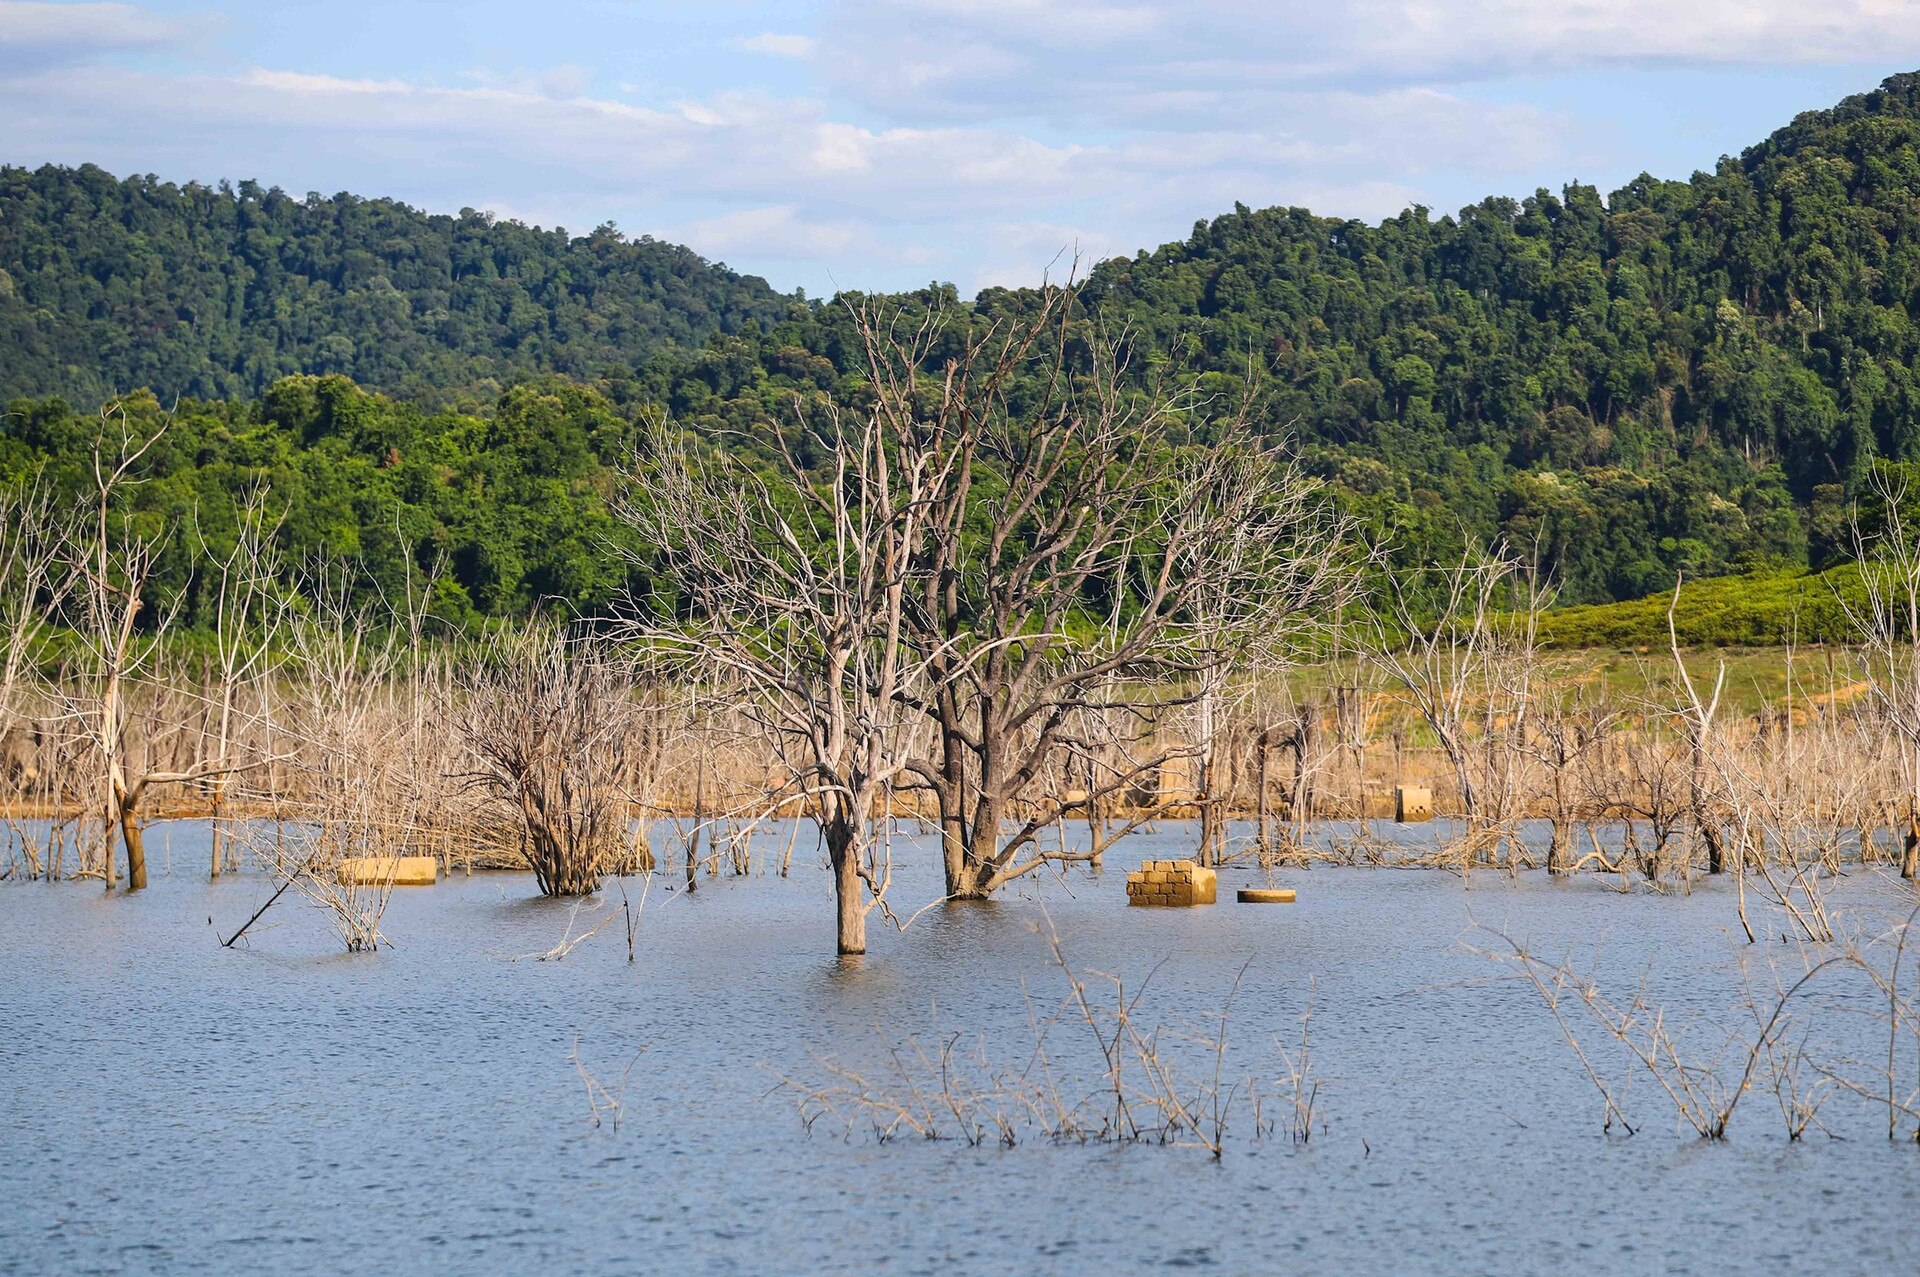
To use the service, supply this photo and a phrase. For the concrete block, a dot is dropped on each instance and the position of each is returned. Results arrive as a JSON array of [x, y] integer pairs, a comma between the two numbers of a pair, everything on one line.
[[1265, 895], [1412, 804], [400, 871], [1206, 886]]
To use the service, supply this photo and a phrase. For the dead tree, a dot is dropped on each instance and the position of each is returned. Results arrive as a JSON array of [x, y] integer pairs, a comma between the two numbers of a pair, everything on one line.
[[1565, 730], [114, 561], [1067, 559], [249, 610], [795, 584], [1461, 642], [35, 581], [1889, 624]]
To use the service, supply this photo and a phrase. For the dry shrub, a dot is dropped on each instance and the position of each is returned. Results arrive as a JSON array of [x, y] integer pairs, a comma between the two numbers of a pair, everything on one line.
[[551, 728], [309, 859]]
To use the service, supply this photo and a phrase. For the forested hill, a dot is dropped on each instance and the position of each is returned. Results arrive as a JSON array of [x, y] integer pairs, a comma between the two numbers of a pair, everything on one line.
[[1682, 376], [107, 286], [1669, 377]]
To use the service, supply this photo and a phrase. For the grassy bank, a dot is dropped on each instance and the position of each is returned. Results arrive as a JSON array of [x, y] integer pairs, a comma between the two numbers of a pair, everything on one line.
[[1758, 609]]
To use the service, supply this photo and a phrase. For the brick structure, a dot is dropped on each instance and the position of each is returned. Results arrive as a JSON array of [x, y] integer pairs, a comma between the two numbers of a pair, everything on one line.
[[1172, 884]]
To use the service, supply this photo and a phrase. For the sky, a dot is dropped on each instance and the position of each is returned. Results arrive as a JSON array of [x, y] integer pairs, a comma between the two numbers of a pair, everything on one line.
[[870, 144]]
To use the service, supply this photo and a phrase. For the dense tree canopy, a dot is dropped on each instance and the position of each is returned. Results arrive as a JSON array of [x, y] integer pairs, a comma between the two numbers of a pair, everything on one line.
[[1684, 376], [107, 286], [500, 514]]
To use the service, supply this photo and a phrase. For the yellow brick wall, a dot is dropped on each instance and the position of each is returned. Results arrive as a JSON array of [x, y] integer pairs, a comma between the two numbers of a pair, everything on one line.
[[1172, 884]]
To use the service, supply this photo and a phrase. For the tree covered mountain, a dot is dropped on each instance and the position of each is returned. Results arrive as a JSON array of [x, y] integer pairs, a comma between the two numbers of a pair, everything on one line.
[[1671, 377], [107, 286], [1682, 376]]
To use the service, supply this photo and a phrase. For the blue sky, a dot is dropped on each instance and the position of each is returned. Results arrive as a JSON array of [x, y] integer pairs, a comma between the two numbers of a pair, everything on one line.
[[883, 143]]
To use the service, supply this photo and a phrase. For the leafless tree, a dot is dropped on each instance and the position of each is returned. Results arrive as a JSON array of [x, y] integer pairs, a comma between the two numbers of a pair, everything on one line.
[[1643, 776], [1888, 620], [35, 581], [797, 583], [114, 559], [249, 612], [1461, 643], [1073, 563]]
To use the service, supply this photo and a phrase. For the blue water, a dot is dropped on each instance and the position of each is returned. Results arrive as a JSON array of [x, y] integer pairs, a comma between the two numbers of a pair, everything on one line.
[[170, 1105]]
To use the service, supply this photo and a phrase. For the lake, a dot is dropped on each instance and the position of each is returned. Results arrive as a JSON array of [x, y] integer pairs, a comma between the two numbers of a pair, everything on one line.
[[167, 1104]]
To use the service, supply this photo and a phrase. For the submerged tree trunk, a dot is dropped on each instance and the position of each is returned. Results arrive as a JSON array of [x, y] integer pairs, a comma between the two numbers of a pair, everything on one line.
[[1557, 838], [1212, 821], [1716, 851], [1910, 855], [136, 851], [699, 816], [127, 814], [1305, 744], [1212, 834], [1263, 810], [843, 850], [970, 872], [218, 805]]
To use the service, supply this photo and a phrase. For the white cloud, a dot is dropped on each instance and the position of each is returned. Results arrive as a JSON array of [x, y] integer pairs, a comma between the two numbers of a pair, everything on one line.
[[973, 139], [776, 45], [770, 184], [1179, 60], [42, 35], [777, 230], [733, 146]]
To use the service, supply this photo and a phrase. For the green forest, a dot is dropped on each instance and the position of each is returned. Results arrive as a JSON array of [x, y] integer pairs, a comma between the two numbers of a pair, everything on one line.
[[1681, 377], [215, 293]]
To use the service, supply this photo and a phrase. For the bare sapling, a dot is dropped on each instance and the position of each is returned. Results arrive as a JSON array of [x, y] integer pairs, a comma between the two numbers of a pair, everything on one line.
[[353, 732], [1696, 1083], [249, 612], [35, 581], [604, 1103], [1300, 1088], [1095, 1072], [1888, 620], [1704, 1083], [310, 858], [572, 939], [1900, 987], [1461, 643]]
